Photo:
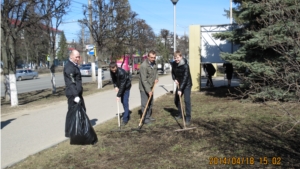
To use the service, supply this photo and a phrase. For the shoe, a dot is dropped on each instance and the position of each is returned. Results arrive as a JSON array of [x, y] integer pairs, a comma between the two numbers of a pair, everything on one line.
[[188, 123], [123, 123], [152, 119], [178, 117], [147, 121]]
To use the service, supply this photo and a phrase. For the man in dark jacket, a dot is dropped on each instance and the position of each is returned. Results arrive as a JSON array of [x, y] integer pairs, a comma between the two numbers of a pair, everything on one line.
[[122, 85], [228, 71], [210, 71], [182, 77], [73, 81]]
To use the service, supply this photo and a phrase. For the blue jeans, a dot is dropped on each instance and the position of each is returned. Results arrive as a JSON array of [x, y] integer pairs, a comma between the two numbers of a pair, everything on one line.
[[125, 102], [187, 100]]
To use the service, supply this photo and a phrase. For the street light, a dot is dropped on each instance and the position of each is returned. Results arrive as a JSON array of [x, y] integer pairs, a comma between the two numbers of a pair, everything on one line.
[[174, 3], [174, 44]]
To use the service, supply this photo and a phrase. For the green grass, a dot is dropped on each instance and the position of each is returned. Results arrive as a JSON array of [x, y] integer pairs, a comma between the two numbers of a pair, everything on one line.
[[224, 128]]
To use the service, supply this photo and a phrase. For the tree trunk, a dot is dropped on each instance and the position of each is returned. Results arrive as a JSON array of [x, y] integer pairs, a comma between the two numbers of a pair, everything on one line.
[[13, 90], [7, 87], [52, 69], [99, 70], [12, 77], [131, 61], [93, 66], [5, 66]]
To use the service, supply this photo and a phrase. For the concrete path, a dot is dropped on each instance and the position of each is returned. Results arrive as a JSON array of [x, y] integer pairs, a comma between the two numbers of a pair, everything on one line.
[[29, 131]]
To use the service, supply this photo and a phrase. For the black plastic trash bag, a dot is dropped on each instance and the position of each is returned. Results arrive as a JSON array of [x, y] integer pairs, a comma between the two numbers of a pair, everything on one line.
[[79, 127]]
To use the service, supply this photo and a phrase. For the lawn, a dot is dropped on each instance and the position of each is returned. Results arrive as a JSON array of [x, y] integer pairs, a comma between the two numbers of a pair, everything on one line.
[[229, 134]]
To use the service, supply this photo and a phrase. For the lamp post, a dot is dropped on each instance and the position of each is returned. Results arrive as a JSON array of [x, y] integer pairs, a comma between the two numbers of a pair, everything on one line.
[[174, 44], [230, 11], [174, 3]]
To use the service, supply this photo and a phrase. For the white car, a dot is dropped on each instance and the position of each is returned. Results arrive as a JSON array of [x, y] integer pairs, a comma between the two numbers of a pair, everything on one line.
[[87, 71], [166, 66]]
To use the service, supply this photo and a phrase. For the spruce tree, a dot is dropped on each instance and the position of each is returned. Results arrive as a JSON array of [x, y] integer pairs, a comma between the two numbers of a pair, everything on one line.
[[63, 48], [268, 33]]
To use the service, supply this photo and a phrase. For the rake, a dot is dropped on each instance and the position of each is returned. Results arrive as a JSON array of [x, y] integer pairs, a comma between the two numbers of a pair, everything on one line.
[[183, 118], [145, 109], [119, 118]]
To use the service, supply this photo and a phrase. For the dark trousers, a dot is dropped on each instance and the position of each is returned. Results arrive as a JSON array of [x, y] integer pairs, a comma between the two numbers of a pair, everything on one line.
[[209, 81], [125, 102], [144, 100], [71, 102], [187, 100]]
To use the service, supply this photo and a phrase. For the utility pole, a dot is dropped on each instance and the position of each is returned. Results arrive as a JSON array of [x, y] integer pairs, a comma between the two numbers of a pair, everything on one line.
[[92, 42], [174, 43], [231, 24], [230, 11], [84, 55]]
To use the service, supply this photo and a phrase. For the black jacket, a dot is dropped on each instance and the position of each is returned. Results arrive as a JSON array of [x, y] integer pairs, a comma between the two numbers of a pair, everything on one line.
[[210, 69], [228, 68], [121, 80], [181, 73], [73, 80]]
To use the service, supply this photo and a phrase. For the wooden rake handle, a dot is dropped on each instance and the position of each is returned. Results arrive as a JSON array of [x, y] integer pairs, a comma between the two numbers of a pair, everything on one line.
[[182, 113], [119, 123], [145, 109]]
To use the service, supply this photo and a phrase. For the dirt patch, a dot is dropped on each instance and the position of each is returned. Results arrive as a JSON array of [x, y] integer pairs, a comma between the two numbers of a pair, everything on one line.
[[227, 132]]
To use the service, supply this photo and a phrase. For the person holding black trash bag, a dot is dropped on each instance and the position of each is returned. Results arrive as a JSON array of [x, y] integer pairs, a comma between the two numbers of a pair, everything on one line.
[[78, 126], [182, 77], [122, 85], [73, 81], [148, 76]]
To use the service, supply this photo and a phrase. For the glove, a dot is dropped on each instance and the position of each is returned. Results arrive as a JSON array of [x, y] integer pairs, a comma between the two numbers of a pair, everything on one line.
[[77, 99], [179, 93]]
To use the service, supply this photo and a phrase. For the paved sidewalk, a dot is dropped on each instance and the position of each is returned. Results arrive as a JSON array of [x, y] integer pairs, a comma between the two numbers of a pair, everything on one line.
[[26, 133]]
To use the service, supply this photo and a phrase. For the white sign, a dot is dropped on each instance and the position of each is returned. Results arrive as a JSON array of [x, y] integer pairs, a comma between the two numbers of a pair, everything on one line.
[[211, 47]]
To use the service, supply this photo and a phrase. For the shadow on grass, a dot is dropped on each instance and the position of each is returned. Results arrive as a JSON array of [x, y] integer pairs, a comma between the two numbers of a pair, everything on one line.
[[234, 138], [174, 112], [221, 92]]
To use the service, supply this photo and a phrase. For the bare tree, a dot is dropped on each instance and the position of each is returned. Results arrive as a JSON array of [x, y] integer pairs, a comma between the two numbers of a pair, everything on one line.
[[183, 45], [15, 16], [146, 37], [52, 23], [164, 46]]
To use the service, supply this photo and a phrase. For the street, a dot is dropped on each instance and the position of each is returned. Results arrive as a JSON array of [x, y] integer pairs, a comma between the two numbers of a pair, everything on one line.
[[44, 82]]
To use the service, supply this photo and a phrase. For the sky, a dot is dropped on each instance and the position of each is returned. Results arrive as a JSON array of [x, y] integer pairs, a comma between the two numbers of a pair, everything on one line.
[[159, 14]]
